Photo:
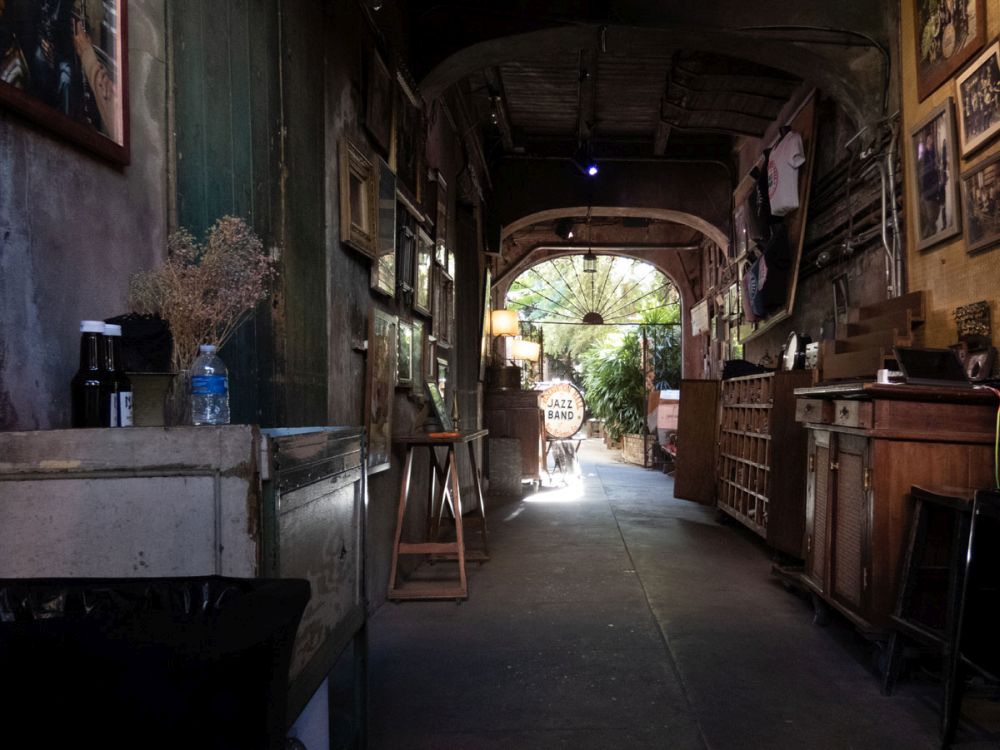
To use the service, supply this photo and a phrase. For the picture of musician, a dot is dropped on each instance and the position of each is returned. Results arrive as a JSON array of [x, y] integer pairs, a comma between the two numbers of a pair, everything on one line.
[[63, 53], [981, 99], [932, 178]]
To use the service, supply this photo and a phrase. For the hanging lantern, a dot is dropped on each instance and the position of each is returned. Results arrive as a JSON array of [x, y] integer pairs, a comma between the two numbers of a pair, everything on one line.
[[590, 262]]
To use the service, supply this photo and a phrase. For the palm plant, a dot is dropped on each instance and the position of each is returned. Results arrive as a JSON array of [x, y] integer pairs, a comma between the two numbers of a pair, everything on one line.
[[615, 386]]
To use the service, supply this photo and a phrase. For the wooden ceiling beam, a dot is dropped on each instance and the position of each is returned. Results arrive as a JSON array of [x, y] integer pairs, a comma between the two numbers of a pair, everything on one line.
[[499, 108], [586, 119]]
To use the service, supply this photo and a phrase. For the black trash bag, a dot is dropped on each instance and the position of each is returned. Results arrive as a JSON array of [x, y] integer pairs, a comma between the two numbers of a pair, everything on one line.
[[146, 342], [151, 663]]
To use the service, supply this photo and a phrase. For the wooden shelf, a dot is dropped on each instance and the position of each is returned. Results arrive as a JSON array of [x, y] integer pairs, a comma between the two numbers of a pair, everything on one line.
[[760, 477], [746, 461]]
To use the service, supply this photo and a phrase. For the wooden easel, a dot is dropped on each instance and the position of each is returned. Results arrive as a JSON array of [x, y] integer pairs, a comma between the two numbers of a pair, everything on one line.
[[444, 491]]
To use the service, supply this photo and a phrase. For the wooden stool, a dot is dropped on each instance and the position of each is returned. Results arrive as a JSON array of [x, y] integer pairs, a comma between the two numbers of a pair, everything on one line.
[[444, 492], [942, 579]]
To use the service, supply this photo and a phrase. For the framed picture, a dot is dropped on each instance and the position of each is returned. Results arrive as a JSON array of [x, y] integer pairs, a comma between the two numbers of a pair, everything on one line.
[[981, 201], [406, 154], [378, 109], [384, 268], [443, 307], [741, 239], [65, 67], [484, 343], [358, 203], [381, 385], [437, 405], [417, 353], [979, 100], [404, 358], [423, 276], [948, 32], [933, 178], [841, 298], [442, 376]]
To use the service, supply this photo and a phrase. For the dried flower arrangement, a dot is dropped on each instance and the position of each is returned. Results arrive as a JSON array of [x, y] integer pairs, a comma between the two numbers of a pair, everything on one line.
[[205, 291]]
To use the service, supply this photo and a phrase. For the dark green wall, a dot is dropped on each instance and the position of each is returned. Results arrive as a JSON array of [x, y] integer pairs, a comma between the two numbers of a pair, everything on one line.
[[242, 69]]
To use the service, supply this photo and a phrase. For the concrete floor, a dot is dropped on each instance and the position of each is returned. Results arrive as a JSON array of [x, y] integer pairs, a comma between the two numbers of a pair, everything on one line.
[[613, 616]]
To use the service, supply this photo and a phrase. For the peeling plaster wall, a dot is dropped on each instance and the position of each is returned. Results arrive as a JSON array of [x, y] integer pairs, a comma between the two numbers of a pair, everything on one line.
[[72, 230]]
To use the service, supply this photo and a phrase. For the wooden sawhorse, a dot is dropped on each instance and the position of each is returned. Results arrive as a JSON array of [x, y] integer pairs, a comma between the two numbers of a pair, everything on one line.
[[444, 492]]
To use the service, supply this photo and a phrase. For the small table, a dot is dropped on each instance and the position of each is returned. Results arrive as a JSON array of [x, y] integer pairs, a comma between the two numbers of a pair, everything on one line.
[[444, 490]]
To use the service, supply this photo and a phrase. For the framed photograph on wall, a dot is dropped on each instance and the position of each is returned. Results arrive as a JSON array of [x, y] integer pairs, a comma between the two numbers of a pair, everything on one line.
[[947, 34], [383, 278], [358, 199], [65, 67], [379, 97], [741, 239], [404, 357], [484, 341], [423, 276], [979, 100], [417, 352], [380, 388], [981, 202], [934, 178]]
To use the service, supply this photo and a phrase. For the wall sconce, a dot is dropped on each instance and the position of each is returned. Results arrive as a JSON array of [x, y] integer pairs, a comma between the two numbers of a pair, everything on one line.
[[527, 351], [504, 323]]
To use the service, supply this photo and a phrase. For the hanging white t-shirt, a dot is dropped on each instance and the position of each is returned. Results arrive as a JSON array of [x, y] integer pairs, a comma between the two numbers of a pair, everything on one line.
[[783, 174]]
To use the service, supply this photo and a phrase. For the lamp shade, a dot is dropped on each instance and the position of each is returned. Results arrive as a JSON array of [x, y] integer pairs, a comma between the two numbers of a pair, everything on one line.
[[525, 350], [504, 323]]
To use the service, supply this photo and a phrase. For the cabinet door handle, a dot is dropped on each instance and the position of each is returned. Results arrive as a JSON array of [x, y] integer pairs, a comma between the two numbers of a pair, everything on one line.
[[834, 465]]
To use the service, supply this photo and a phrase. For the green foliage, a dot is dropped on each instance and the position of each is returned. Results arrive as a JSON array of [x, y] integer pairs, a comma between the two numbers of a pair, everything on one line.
[[665, 342], [614, 385]]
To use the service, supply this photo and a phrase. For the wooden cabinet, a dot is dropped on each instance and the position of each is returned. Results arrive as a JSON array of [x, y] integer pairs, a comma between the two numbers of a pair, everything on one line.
[[864, 452], [515, 414], [740, 447], [761, 479]]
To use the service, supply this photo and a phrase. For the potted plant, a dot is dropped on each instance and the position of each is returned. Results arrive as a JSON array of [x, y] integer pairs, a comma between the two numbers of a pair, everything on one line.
[[205, 291]]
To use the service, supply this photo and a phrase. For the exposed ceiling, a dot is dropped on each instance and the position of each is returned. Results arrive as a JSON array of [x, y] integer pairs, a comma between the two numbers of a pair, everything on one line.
[[645, 102], [625, 81]]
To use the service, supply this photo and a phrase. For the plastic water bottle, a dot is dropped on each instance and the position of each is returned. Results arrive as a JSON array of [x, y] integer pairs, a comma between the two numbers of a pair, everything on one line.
[[209, 388]]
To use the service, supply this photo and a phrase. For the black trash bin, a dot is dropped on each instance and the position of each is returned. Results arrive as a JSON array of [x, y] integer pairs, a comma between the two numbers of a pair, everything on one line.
[[146, 662]]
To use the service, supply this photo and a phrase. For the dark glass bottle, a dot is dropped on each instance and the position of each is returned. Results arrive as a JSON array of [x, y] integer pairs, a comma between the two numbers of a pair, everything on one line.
[[88, 387], [119, 387]]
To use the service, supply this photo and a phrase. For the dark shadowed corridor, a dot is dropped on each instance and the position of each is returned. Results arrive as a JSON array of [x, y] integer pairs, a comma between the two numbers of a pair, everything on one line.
[[613, 615]]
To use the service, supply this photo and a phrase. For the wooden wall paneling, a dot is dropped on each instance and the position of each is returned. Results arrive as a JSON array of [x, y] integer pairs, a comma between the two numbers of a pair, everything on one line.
[[305, 263], [697, 441], [226, 109]]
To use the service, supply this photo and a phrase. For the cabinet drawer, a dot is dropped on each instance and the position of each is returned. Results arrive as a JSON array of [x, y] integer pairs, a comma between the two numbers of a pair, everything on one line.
[[852, 413], [815, 410]]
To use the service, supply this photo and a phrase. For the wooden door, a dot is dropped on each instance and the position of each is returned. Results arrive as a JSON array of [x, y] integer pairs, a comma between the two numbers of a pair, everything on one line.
[[851, 534], [817, 521], [697, 441]]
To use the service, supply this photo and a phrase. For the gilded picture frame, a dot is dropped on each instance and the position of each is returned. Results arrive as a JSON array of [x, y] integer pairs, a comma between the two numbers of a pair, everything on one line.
[[380, 388]]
